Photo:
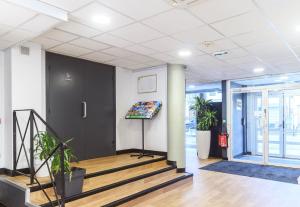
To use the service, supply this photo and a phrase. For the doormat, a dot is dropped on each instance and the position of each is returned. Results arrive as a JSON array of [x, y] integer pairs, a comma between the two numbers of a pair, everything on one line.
[[281, 174]]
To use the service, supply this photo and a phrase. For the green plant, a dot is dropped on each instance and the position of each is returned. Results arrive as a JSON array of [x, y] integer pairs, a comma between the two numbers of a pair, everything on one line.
[[45, 144], [205, 115]]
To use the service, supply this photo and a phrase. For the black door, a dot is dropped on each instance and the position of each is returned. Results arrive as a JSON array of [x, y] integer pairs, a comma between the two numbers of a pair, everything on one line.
[[72, 86], [99, 125]]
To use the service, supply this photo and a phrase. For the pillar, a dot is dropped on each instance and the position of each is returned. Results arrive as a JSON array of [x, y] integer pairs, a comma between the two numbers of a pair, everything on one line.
[[176, 114]]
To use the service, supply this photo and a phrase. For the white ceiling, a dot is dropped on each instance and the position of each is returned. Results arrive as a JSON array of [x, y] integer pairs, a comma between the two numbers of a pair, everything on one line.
[[144, 33]]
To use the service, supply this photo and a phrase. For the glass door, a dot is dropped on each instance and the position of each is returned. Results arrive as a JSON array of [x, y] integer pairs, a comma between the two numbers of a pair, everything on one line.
[[248, 118], [275, 119], [292, 123]]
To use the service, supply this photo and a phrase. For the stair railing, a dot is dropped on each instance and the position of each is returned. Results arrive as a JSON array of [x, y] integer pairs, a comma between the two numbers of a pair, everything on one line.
[[32, 126]]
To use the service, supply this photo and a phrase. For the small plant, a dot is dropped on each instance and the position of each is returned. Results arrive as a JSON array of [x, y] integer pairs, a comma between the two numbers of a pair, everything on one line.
[[45, 143], [205, 115]]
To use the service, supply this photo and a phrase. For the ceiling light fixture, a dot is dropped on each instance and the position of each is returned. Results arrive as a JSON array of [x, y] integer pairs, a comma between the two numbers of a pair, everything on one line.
[[298, 28], [258, 70], [184, 53], [101, 19]]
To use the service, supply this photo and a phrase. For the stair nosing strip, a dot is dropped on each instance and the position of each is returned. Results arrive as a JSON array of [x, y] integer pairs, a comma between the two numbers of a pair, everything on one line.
[[148, 190], [103, 172], [111, 186]]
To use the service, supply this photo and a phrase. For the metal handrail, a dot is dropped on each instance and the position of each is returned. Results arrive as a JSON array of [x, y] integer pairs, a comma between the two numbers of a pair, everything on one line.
[[31, 124]]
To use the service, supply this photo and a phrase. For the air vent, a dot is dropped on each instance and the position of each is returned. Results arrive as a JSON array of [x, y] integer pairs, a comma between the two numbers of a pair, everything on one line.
[[220, 53], [24, 50], [183, 3]]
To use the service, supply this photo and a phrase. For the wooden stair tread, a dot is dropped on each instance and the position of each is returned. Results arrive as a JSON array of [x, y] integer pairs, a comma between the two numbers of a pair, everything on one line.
[[38, 197], [106, 163], [93, 166], [109, 196]]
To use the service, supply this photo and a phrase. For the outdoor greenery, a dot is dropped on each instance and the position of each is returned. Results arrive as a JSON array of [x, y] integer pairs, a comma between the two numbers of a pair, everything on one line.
[[45, 144], [205, 115]]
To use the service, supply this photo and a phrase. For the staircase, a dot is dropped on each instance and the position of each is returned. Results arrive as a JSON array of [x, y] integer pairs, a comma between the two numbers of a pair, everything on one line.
[[117, 185]]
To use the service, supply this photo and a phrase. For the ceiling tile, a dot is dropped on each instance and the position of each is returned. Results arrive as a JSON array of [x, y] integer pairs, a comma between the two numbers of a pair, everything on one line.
[[4, 29], [162, 56], [248, 22], [137, 33], [284, 14], [89, 44], [254, 37], [140, 49], [98, 57], [215, 10], [40, 23], [17, 36], [118, 52], [198, 35], [78, 29], [60, 35], [87, 13], [67, 5], [140, 58], [5, 44], [164, 44], [242, 60], [173, 21], [122, 63], [138, 9], [218, 45], [112, 40], [69, 49], [13, 15], [269, 49], [46, 42]]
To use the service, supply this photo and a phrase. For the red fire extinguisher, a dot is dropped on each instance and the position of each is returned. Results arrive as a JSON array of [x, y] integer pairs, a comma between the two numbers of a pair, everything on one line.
[[223, 140]]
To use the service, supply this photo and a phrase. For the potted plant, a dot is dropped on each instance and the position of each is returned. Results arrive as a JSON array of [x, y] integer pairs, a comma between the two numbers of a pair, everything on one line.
[[44, 146], [206, 118]]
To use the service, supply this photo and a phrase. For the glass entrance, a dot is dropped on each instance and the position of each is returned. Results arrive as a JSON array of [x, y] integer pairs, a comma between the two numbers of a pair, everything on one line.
[[284, 127], [248, 126]]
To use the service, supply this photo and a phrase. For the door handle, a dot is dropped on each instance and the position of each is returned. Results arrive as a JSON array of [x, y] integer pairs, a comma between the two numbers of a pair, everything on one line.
[[84, 114]]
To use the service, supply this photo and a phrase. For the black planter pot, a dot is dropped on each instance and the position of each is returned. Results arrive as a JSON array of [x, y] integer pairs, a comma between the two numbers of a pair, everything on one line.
[[74, 185]]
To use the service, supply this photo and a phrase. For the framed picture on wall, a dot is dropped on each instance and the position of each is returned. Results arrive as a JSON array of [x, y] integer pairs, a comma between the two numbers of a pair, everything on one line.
[[147, 84]]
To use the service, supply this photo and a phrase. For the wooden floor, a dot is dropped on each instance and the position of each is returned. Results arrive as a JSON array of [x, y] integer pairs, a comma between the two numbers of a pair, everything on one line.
[[206, 189], [213, 189]]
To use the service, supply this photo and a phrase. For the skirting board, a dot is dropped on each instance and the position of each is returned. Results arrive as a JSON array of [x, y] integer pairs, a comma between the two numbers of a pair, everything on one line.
[[133, 150]]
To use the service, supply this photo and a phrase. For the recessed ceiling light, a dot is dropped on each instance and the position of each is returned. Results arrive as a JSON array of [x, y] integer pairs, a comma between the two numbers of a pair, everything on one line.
[[258, 70], [192, 86], [184, 53], [298, 28], [101, 19]]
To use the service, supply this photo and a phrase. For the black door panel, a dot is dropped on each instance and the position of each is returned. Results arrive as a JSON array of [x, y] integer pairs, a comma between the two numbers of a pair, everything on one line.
[[70, 82]]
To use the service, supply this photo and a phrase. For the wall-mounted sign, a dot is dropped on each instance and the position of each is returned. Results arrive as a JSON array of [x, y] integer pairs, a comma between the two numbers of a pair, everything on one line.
[[147, 84]]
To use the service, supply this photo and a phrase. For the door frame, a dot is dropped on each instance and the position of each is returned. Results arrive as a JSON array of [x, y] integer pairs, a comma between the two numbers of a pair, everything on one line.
[[265, 92]]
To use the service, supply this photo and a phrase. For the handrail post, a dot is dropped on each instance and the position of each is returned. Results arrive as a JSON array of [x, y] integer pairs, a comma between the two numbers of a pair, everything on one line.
[[31, 148], [62, 171], [14, 142]]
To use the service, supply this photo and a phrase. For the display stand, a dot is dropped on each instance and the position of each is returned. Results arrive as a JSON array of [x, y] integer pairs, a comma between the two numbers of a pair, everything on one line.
[[142, 153], [142, 111]]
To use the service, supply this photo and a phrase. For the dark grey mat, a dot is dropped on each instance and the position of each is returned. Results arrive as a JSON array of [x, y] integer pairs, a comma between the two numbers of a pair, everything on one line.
[[282, 174]]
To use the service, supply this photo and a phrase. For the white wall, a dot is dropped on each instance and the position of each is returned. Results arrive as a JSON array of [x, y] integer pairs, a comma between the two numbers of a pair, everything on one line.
[[1, 109], [24, 89], [129, 132]]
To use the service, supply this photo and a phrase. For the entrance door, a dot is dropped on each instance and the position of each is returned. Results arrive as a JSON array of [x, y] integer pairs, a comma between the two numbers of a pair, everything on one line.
[[248, 126], [81, 104], [276, 124]]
